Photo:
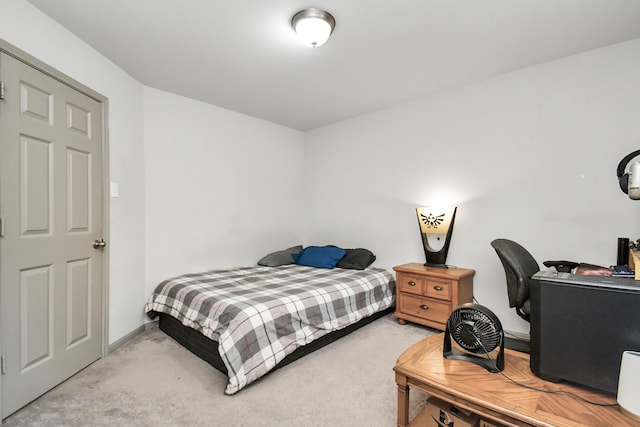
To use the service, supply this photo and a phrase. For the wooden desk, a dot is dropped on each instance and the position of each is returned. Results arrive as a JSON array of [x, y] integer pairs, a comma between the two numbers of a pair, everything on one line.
[[471, 387]]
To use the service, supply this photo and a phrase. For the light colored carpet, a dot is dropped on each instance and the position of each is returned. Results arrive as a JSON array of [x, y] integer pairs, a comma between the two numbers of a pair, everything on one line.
[[153, 381]]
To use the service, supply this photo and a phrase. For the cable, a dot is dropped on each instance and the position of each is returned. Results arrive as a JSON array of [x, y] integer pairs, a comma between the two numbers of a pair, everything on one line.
[[558, 392], [479, 341]]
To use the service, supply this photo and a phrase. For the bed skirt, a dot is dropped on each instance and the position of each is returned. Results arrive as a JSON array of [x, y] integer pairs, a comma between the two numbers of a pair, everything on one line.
[[207, 349]]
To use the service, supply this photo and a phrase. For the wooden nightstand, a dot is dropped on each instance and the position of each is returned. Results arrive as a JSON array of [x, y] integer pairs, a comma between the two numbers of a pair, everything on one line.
[[428, 295]]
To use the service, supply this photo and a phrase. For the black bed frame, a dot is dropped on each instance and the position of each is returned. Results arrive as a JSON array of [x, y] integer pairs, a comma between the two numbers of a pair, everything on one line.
[[207, 349]]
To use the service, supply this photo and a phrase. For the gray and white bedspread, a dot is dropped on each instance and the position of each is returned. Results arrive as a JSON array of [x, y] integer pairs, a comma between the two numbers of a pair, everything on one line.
[[259, 315]]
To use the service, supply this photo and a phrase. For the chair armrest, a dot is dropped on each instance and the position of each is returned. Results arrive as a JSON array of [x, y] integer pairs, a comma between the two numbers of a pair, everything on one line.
[[562, 266]]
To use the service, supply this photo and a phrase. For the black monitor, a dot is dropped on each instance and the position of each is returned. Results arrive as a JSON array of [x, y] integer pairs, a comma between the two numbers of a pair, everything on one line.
[[580, 325]]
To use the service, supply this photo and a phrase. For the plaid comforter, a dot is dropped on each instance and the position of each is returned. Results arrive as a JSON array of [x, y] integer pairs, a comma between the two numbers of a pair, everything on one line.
[[259, 315]]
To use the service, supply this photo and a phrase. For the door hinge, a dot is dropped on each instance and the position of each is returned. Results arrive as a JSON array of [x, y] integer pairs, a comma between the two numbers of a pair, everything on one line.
[[1, 227], [1, 90], [3, 366]]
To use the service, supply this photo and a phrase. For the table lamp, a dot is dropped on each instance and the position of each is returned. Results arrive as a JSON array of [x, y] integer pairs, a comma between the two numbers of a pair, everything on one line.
[[436, 228]]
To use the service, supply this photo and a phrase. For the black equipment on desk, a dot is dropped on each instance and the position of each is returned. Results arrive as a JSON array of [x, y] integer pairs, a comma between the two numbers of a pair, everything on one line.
[[580, 325]]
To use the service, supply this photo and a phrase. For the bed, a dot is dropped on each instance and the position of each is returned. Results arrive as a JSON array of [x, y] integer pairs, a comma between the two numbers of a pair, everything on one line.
[[248, 321]]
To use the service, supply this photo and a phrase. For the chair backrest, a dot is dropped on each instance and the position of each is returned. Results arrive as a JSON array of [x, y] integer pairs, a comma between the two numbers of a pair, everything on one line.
[[519, 265]]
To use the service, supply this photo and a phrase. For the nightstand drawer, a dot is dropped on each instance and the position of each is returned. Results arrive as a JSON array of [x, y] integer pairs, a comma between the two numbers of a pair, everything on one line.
[[427, 295], [425, 308], [438, 288], [410, 283]]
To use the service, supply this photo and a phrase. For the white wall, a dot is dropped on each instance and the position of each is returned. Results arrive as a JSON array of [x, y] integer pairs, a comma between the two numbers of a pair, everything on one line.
[[28, 29], [529, 156], [222, 189]]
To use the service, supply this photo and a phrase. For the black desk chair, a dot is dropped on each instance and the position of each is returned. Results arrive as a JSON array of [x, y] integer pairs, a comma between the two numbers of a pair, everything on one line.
[[519, 265]]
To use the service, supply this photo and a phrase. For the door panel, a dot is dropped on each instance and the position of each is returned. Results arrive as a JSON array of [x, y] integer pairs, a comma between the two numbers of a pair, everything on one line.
[[35, 186], [79, 200], [51, 203], [36, 102], [79, 299], [35, 308]]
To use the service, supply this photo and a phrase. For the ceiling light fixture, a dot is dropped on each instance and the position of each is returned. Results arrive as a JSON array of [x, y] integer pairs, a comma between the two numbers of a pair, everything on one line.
[[313, 26]]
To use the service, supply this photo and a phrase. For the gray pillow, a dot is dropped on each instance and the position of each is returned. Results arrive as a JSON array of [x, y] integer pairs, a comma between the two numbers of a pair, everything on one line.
[[357, 259], [275, 259]]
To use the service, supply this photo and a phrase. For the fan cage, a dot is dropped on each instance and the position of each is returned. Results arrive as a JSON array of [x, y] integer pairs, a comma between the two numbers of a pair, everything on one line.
[[475, 330]]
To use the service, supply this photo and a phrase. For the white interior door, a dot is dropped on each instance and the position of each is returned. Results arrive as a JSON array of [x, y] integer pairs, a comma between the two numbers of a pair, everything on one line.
[[51, 206]]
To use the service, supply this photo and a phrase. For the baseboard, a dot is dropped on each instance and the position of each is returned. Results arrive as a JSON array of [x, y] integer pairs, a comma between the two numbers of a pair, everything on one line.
[[137, 331], [517, 335], [517, 341]]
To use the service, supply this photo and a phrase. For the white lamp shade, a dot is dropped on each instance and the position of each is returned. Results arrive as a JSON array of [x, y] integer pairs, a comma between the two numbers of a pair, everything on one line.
[[313, 26], [629, 384], [435, 220], [313, 31]]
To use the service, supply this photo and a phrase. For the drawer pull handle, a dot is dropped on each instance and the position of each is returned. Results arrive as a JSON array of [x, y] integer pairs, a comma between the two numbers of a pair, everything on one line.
[[411, 283], [424, 307], [437, 288]]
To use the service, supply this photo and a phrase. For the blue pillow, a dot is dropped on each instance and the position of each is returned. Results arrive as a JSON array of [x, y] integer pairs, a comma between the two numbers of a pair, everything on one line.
[[319, 256]]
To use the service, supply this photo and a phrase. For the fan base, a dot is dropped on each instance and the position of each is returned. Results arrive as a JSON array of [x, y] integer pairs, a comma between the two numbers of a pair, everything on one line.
[[489, 364]]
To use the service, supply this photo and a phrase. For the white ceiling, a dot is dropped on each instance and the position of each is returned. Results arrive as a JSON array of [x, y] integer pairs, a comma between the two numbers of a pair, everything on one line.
[[242, 54]]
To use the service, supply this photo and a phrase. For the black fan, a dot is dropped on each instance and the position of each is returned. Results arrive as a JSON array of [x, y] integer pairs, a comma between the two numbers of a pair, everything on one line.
[[477, 331]]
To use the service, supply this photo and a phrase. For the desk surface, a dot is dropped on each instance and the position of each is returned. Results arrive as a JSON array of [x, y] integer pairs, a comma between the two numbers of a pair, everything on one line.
[[472, 387]]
